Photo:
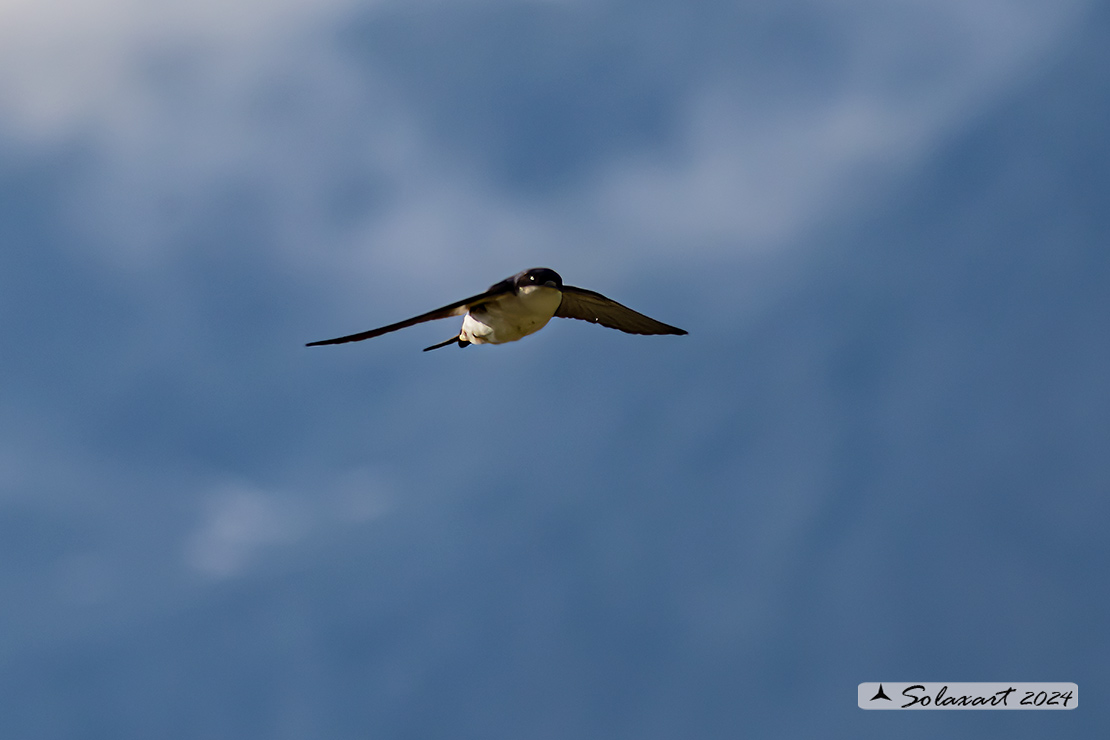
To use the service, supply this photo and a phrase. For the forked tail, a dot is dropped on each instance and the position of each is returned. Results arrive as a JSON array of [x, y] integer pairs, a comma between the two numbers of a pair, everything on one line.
[[462, 343]]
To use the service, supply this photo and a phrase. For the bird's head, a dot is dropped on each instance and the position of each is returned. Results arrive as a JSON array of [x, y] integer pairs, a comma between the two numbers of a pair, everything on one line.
[[539, 276]]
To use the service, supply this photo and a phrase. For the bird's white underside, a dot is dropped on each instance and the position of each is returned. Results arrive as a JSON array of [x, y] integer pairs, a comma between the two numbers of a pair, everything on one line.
[[511, 317]]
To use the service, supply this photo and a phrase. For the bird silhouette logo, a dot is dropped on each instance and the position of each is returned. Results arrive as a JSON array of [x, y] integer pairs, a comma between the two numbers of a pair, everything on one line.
[[881, 695]]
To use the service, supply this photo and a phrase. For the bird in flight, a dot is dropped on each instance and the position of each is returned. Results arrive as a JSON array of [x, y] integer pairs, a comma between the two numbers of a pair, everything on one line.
[[521, 305]]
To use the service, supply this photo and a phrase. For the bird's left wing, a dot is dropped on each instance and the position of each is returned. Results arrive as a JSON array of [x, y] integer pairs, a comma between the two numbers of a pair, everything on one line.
[[579, 303], [458, 308]]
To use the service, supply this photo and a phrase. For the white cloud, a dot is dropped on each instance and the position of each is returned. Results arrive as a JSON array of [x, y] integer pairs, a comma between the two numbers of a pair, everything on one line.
[[239, 522], [74, 62], [752, 172], [761, 172]]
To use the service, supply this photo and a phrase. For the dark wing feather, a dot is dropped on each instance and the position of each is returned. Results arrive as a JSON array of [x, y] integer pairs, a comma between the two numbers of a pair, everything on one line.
[[579, 303], [458, 308]]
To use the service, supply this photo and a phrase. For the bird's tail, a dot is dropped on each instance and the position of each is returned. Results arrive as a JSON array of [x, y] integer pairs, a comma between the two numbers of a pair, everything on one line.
[[462, 343]]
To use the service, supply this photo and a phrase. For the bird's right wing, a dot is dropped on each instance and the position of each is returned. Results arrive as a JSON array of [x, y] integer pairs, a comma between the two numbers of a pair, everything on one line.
[[458, 308], [579, 303]]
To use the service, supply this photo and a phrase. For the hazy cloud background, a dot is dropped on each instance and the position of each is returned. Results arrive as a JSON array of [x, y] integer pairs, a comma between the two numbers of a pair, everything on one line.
[[879, 455]]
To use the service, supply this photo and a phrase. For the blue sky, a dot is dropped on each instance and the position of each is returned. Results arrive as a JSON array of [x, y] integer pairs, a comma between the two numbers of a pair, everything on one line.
[[879, 454]]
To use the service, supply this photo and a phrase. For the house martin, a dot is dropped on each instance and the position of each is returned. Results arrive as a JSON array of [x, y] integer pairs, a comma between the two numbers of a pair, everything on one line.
[[521, 305]]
